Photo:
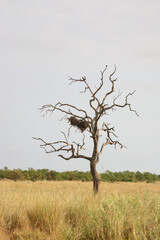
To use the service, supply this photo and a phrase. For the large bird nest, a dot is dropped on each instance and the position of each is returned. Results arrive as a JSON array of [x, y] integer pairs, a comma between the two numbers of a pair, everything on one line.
[[81, 124]]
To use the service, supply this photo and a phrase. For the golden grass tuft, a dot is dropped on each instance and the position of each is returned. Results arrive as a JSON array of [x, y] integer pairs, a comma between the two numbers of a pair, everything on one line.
[[70, 211]]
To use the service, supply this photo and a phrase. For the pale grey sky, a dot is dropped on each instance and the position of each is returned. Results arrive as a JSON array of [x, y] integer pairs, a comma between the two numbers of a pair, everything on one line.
[[43, 42]]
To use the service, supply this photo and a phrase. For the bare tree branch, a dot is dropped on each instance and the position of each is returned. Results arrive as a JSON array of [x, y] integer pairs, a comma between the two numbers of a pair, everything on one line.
[[101, 84], [62, 108], [113, 85], [59, 106], [80, 146], [87, 87], [64, 146], [123, 105], [110, 131], [83, 79], [109, 140]]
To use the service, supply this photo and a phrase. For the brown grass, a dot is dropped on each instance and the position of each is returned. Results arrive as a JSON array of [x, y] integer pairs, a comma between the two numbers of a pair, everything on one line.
[[69, 211]]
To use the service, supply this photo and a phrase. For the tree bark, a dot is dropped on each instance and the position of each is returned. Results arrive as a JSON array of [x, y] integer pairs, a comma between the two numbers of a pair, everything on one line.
[[95, 175]]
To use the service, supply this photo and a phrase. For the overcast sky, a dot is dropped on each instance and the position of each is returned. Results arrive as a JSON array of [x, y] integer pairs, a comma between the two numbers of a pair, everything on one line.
[[42, 42]]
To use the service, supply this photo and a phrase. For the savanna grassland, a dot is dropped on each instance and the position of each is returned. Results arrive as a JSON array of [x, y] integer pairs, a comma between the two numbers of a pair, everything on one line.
[[51, 210]]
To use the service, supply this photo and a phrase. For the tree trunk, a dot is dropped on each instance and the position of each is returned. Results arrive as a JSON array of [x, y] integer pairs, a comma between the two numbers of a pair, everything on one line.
[[95, 175]]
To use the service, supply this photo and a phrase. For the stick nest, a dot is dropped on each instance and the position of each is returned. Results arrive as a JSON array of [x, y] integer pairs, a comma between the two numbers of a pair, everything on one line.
[[80, 124]]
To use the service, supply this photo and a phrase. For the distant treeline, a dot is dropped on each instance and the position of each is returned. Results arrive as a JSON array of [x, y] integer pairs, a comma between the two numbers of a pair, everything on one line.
[[45, 174]]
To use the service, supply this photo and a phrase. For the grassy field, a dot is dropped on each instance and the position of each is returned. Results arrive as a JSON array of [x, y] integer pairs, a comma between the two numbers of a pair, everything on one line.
[[69, 211]]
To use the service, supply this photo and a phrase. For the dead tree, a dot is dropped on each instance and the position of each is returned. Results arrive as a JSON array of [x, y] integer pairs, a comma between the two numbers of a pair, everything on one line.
[[80, 119]]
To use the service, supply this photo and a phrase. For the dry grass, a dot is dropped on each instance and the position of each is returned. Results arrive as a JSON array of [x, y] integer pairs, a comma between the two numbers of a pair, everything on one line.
[[69, 211]]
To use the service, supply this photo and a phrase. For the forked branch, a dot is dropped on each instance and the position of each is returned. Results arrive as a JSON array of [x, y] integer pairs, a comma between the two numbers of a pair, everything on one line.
[[126, 103], [62, 108], [72, 149], [112, 86], [109, 139]]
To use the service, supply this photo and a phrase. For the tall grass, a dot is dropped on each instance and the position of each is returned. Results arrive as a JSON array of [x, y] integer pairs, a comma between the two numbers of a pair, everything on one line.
[[69, 211]]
